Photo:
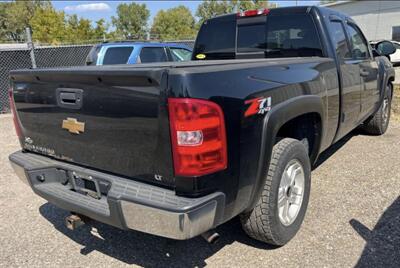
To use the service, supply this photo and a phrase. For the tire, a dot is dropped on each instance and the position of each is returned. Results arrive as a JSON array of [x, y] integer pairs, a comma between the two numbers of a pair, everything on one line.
[[264, 222], [379, 122]]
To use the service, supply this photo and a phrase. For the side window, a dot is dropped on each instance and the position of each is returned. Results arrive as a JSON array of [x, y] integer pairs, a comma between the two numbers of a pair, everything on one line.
[[339, 40], [153, 54], [292, 35], [117, 55], [358, 43], [180, 54]]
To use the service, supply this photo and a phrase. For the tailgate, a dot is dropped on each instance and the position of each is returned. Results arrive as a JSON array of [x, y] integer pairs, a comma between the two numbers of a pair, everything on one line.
[[108, 119]]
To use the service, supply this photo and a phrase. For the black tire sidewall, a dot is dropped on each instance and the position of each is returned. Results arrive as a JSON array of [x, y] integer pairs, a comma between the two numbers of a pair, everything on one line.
[[295, 150]]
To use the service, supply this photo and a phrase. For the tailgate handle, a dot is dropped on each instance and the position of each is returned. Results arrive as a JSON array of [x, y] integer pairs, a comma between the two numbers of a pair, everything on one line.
[[69, 97]]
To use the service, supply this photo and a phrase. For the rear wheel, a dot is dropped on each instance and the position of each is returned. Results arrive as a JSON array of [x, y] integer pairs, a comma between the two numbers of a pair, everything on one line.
[[379, 122], [281, 208]]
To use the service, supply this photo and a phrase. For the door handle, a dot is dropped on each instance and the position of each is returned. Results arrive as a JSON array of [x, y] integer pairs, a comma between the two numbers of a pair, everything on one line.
[[364, 72]]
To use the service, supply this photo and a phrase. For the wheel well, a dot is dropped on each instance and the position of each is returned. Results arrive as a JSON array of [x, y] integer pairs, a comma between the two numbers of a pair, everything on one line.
[[306, 128]]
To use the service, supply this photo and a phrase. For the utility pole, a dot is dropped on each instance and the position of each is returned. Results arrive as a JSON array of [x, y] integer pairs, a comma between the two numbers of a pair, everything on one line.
[[30, 46]]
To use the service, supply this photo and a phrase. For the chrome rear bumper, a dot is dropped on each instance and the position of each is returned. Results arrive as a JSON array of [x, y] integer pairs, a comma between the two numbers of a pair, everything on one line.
[[126, 204]]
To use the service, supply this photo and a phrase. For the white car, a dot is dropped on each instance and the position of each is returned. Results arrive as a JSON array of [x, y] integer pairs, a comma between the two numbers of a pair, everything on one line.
[[395, 57]]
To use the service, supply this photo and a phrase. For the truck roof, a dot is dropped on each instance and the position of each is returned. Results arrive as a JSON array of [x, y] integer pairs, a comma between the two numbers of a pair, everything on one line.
[[297, 10]]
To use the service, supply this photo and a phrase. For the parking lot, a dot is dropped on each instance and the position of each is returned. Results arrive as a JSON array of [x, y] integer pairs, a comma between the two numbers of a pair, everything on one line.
[[353, 219]]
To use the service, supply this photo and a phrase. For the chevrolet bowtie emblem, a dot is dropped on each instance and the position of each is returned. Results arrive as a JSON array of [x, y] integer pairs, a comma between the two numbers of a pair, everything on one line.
[[73, 125]]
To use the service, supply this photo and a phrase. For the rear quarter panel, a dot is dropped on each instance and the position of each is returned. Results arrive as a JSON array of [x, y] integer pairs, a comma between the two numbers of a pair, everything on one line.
[[230, 86]]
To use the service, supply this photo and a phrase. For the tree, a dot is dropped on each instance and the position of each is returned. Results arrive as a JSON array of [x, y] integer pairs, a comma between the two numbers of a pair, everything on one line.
[[79, 29], [174, 24], [48, 26], [100, 31], [85, 30], [15, 17], [211, 8], [4, 6], [241, 5], [131, 20]]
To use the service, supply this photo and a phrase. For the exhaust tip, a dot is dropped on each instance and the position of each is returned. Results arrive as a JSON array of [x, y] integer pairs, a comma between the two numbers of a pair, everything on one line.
[[211, 236]]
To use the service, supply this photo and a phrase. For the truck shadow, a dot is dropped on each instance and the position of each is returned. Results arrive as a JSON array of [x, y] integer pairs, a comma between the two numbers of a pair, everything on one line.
[[383, 242], [336, 147], [133, 247]]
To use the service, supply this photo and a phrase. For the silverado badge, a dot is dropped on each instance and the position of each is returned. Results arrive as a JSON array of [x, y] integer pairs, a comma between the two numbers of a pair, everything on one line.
[[73, 125]]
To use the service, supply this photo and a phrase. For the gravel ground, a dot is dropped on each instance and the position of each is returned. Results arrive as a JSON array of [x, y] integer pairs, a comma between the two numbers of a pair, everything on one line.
[[353, 220]]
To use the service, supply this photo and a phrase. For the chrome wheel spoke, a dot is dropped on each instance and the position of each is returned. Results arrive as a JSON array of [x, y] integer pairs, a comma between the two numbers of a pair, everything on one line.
[[291, 191], [295, 172], [385, 110], [286, 179], [282, 202], [295, 199], [285, 212], [297, 191]]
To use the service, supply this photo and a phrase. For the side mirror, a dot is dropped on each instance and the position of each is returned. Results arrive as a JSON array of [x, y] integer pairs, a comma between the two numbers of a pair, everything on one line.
[[385, 48]]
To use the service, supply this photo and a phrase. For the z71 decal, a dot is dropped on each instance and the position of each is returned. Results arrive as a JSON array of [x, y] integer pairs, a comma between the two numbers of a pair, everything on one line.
[[258, 106]]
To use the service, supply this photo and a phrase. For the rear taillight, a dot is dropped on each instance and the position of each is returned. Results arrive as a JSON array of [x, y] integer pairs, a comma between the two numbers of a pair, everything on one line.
[[14, 112], [198, 136], [253, 12]]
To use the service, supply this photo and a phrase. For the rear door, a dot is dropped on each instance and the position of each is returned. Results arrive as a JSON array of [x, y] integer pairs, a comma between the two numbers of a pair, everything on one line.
[[116, 55], [350, 78], [368, 69], [153, 54]]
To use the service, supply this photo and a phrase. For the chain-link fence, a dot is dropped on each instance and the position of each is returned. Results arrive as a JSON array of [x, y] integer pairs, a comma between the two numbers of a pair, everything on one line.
[[10, 60], [18, 56]]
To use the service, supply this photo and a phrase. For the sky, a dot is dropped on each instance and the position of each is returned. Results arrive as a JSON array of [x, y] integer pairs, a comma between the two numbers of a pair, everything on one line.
[[95, 10]]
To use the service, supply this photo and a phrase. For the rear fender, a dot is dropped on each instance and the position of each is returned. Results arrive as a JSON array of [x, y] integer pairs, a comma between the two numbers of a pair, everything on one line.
[[273, 121]]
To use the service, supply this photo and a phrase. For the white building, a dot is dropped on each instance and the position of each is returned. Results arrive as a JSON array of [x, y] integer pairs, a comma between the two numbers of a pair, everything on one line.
[[377, 19]]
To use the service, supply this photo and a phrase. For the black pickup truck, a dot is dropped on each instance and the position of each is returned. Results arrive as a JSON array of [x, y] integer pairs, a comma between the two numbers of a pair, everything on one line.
[[176, 149]]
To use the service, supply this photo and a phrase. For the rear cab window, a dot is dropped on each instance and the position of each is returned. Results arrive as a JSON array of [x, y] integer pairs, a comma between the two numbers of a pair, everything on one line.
[[117, 55], [216, 39], [271, 36]]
